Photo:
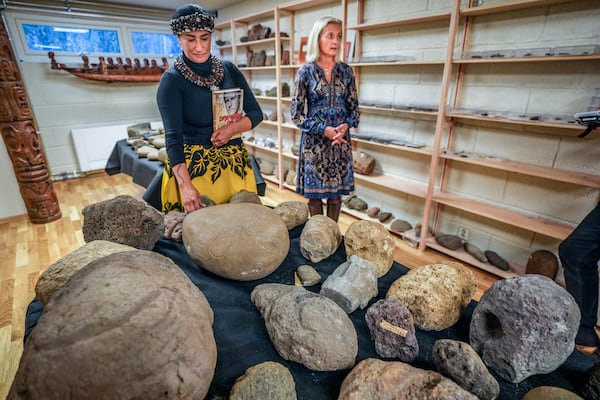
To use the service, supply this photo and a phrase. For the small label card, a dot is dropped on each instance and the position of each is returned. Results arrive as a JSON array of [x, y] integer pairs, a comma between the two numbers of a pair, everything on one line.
[[393, 328]]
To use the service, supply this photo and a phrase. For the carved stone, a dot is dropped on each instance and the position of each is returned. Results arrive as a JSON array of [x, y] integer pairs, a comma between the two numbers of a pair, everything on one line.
[[22, 141]]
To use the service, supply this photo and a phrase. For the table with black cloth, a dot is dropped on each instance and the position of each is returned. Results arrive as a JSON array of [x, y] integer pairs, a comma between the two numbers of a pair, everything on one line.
[[242, 339], [148, 173]]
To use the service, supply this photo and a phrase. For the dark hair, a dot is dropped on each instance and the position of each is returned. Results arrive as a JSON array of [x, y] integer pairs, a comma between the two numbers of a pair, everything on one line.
[[189, 9]]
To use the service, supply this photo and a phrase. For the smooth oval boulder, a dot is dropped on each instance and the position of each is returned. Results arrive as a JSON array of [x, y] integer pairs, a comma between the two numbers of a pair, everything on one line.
[[130, 325], [238, 241]]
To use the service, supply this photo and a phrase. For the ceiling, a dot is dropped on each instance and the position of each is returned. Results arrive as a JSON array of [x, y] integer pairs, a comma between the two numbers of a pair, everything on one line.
[[173, 4]]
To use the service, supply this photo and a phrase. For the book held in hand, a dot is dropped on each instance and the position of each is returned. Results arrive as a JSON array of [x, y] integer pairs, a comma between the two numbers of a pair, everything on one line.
[[227, 106]]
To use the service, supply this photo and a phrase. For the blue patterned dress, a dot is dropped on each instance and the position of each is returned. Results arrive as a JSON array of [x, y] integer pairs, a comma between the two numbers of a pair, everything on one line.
[[325, 170]]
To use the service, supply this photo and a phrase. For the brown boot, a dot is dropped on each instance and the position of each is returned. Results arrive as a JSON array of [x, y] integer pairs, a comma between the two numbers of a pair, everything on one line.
[[315, 206], [333, 208]]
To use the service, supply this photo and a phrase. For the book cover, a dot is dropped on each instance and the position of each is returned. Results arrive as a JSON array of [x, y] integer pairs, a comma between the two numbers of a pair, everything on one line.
[[227, 106]]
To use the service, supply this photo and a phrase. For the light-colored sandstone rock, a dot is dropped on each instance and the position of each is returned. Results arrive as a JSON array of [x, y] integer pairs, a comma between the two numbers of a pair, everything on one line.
[[435, 294], [320, 238], [239, 241], [293, 213], [371, 241]]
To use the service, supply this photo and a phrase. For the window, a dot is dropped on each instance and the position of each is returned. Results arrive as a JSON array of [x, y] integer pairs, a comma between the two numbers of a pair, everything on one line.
[[150, 43], [79, 40]]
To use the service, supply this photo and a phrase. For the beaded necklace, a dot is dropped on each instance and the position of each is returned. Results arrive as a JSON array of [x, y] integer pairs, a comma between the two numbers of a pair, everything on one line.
[[212, 81]]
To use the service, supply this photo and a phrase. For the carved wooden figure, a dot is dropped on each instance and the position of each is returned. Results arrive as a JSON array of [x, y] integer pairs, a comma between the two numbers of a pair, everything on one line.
[[22, 141]]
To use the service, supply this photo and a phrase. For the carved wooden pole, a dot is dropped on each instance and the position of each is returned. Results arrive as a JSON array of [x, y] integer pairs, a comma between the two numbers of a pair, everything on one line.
[[22, 141]]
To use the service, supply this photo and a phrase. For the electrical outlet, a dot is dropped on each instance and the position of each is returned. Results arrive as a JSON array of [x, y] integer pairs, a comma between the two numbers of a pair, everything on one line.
[[463, 233]]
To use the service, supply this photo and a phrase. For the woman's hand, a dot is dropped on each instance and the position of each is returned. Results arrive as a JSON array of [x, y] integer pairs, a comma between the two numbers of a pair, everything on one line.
[[189, 195], [222, 135], [336, 134]]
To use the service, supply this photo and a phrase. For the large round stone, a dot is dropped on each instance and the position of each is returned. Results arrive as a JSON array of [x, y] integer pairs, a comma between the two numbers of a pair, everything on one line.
[[524, 326], [130, 325], [240, 241]]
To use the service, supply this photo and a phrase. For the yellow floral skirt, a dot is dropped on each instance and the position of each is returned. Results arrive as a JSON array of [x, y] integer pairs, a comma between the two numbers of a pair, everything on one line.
[[217, 172]]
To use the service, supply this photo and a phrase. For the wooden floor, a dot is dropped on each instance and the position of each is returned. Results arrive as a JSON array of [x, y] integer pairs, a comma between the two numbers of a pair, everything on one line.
[[27, 249]]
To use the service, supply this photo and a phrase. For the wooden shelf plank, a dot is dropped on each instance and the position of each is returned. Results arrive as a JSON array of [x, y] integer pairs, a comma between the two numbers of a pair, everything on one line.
[[396, 63], [269, 68], [404, 112], [402, 185], [496, 60], [509, 6], [301, 5], [261, 148], [426, 151], [522, 125], [259, 42], [555, 174], [442, 16], [268, 13], [267, 98], [462, 255], [527, 222]]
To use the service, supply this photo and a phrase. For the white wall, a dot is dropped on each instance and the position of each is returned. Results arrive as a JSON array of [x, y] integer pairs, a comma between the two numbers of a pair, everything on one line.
[[11, 202]]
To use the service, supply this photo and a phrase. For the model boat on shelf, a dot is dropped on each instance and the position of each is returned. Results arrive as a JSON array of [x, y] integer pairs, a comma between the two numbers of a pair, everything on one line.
[[108, 70]]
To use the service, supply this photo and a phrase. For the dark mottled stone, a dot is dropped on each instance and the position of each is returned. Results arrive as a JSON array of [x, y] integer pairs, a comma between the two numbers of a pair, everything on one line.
[[496, 260], [451, 242]]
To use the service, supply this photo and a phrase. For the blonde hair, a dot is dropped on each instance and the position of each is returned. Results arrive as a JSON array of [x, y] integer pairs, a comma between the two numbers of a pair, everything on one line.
[[312, 46]]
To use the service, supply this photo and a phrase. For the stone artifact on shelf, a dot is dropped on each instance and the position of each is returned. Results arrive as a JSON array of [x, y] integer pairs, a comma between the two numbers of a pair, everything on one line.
[[267, 380], [363, 163]]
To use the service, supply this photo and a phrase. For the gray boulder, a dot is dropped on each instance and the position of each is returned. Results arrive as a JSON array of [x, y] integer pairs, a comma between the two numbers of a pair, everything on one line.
[[306, 327], [524, 326]]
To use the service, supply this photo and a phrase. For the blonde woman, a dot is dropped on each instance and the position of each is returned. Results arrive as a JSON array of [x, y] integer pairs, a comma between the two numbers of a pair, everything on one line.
[[325, 107]]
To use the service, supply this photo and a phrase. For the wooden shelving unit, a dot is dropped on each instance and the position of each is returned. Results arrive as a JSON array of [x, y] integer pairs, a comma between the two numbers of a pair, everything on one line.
[[444, 155]]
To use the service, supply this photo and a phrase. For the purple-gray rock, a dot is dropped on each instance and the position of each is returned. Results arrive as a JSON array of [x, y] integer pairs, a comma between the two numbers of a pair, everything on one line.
[[497, 261], [356, 203], [306, 327], [458, 361], [392, 330], [128, 325], [352, 285], [125, 220], [524, 326]]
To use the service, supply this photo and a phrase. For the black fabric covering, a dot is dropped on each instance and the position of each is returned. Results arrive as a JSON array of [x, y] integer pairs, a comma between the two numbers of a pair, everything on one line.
[[148, 173], [243, 341]]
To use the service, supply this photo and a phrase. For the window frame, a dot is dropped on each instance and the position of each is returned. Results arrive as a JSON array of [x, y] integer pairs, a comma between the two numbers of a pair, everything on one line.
[[14, 20]]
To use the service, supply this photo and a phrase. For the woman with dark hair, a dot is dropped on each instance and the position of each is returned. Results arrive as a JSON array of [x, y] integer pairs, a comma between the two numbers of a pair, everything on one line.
[[325, 107], [202, 163]]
